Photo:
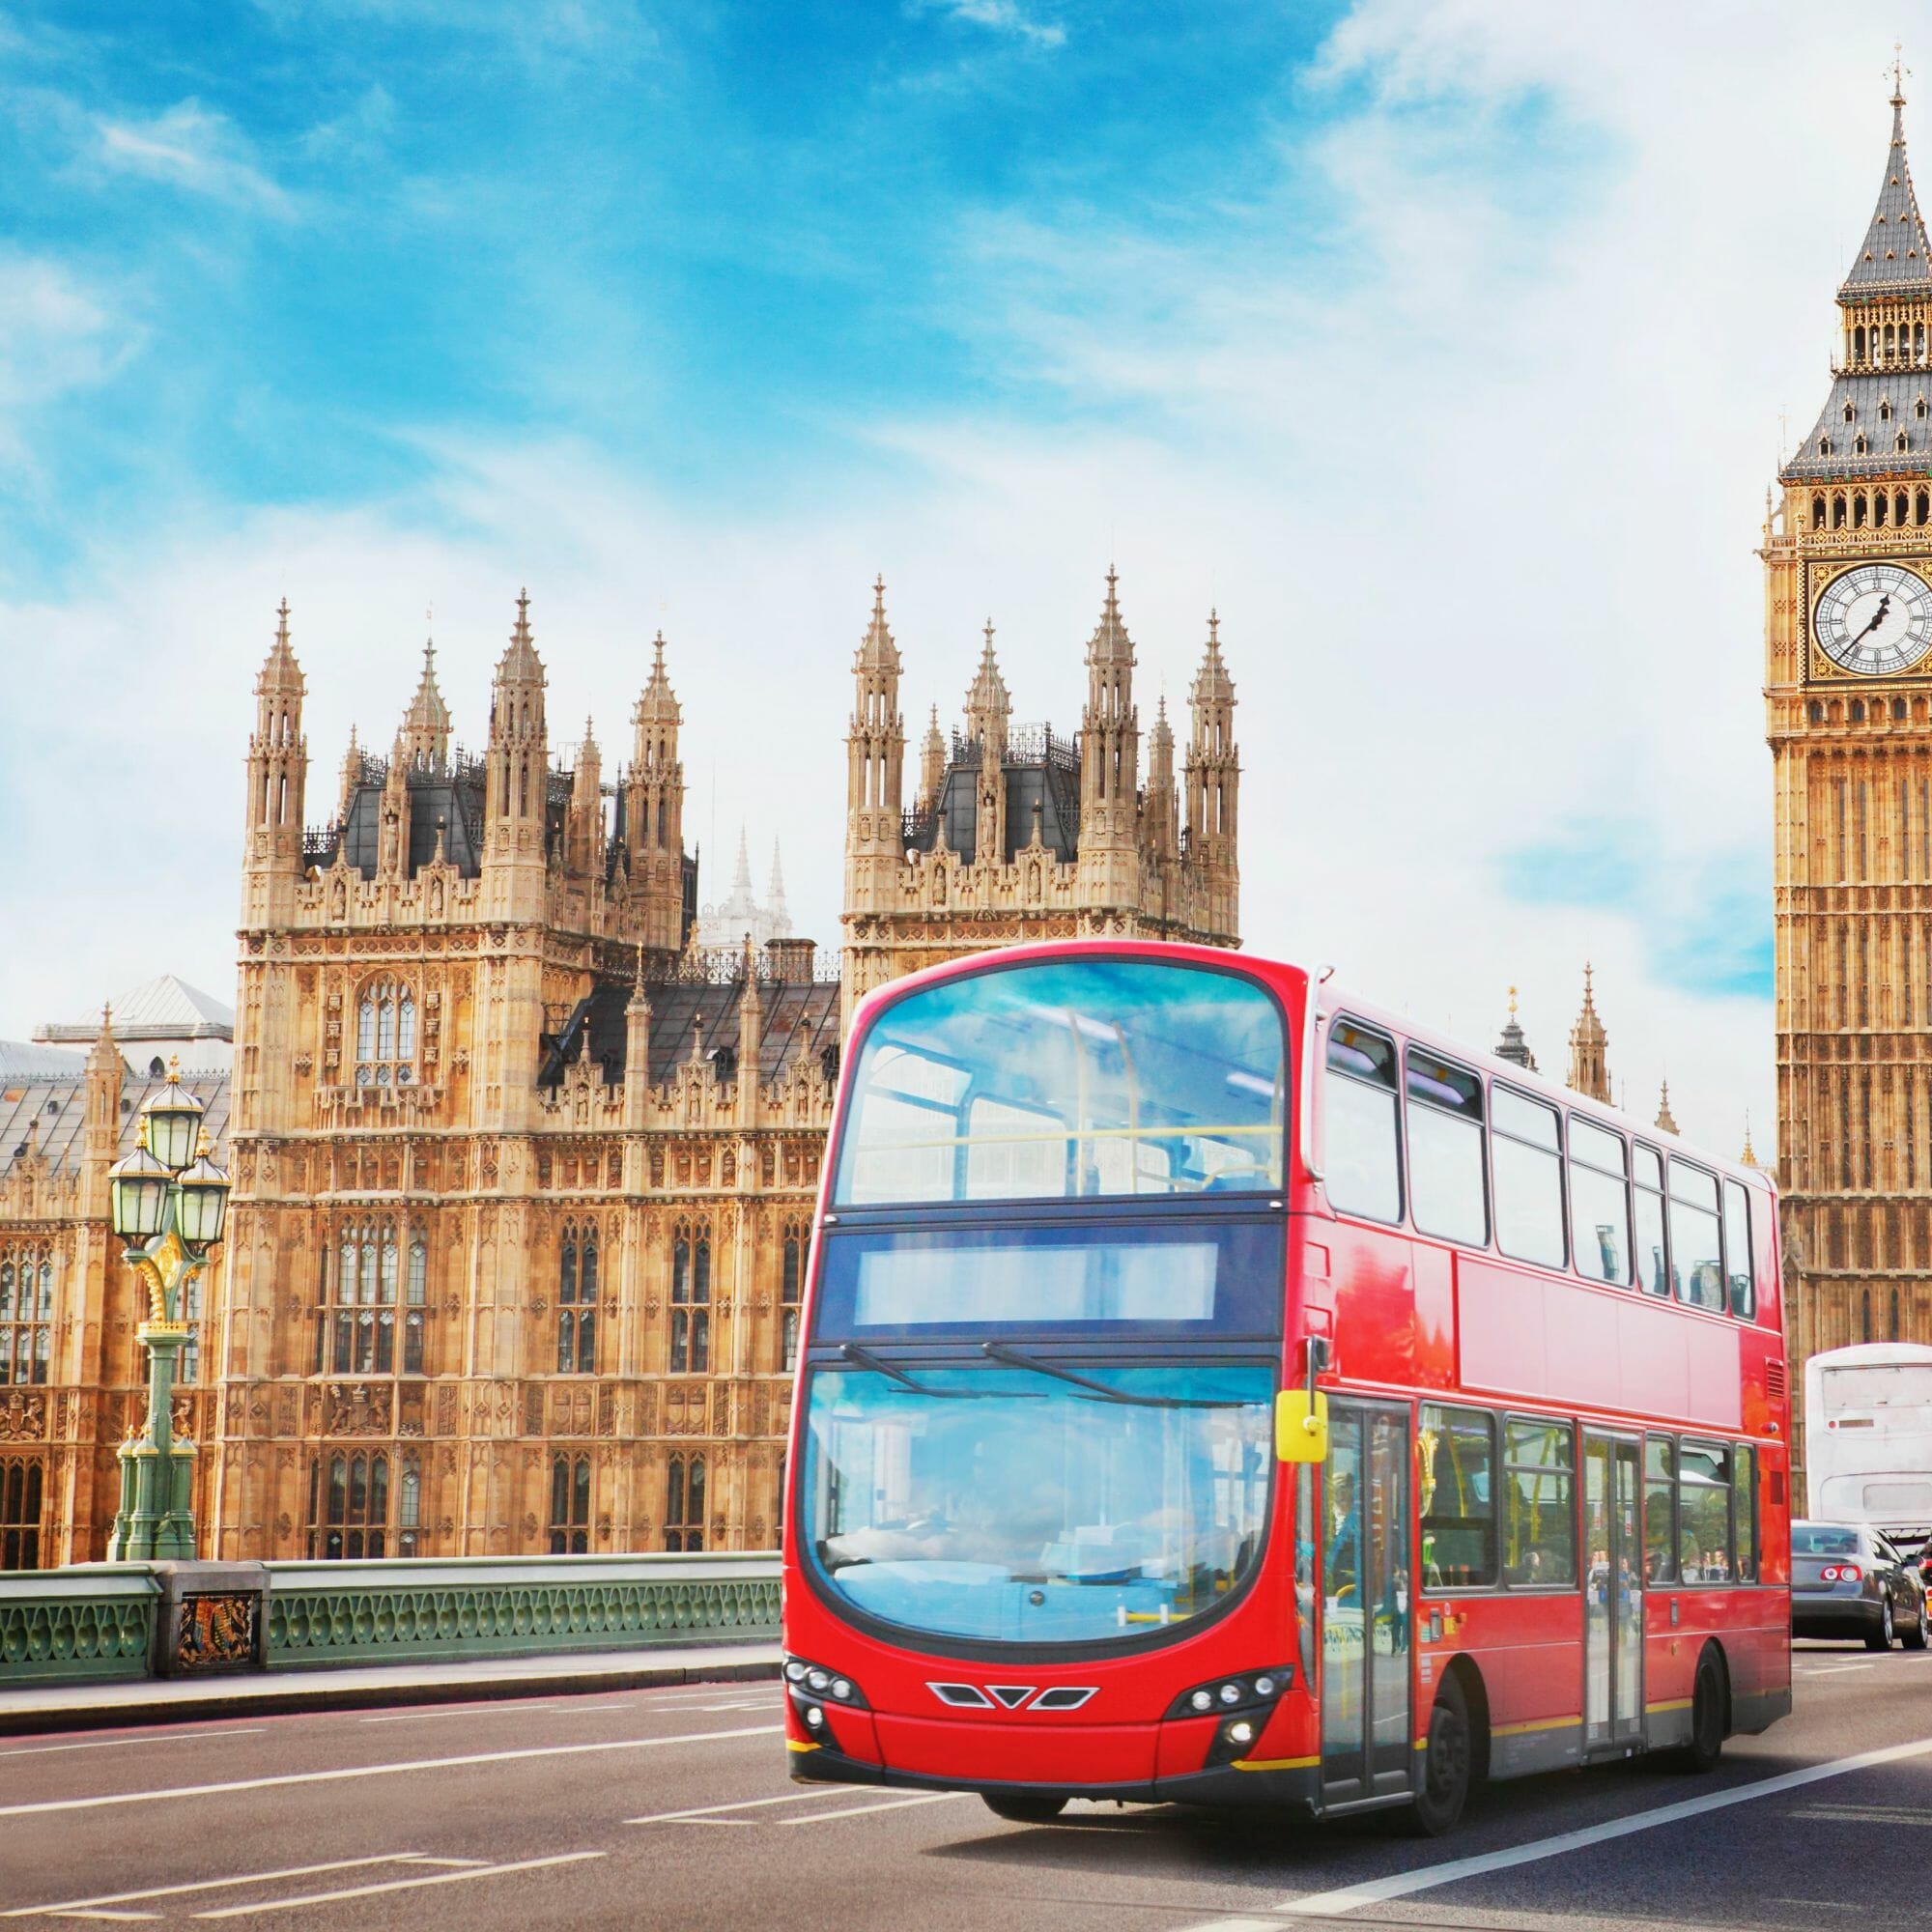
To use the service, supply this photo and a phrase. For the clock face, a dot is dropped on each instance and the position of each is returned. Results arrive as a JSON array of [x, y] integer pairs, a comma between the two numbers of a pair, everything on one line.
[[1874, 618]]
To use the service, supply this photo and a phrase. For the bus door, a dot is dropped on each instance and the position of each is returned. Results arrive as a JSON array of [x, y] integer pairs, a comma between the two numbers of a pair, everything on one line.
[[1366, 1729], [1612, 1593]]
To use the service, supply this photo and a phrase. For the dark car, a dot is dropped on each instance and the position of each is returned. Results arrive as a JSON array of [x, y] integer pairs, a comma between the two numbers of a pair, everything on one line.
[[1847, 1580]]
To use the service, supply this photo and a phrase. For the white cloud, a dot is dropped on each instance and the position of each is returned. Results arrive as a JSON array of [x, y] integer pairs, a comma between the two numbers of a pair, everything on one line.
[[57, 335], [190, 148], [1000, 16]]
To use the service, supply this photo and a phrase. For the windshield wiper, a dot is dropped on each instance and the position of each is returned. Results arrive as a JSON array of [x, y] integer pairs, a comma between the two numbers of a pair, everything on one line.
[[864, 1358], [1018, 1358]]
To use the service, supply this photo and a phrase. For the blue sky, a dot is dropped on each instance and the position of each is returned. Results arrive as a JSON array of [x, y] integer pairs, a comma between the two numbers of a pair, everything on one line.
[[1400, 331], [702, 240]]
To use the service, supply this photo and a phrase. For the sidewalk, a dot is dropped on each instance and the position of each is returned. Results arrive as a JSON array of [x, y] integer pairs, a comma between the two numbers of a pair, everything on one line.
[[79, 1707]]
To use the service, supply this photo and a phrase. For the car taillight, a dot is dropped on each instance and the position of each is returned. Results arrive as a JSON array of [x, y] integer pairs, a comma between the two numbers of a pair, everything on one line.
[[1841, 1573]]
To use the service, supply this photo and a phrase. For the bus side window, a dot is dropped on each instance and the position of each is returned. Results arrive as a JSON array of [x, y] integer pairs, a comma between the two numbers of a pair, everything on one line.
[[1445, 1151], [1653, 1266], [1704, 1513], [1458, 1498], [1660, 1510], [1743, 1512], [1697, 1263], [1538, 1464], [1738, 1249], [1526, 1167], [1599, 1202], [1359, 1142]]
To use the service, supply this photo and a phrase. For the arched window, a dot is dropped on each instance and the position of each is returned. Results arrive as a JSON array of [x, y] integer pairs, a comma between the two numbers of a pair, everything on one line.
[[26, 1315], [1879, 503], [1921, 408], [1851, 415], [684, 1504], [1815, 712], [416, 1306], [1901, 442], [791, 1294], [348, 1506], [386, 1037], [1859, 444], [1824, 446], [356, 1334], [1839, 511], [1921, 507], [690, 1301], [1817, 513], [1898, 710], [569, 1506], [577, 1302], [1858, 509], [409, 1507], [1858, 711], [21, 1484], [1885, 409], [1858, 347]]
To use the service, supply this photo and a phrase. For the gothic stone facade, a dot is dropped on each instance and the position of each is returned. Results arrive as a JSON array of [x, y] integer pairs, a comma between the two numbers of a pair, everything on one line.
[[523, 1178], [1848, 683]]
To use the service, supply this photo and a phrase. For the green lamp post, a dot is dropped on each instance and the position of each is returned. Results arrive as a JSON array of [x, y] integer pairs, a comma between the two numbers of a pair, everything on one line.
[[169, 1204]]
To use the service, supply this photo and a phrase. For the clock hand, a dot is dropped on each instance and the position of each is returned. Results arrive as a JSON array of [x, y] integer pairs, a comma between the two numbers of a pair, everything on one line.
[[1878, 618]]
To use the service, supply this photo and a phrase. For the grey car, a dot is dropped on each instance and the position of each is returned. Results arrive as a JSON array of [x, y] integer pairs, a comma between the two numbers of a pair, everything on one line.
[[1847, 1580]]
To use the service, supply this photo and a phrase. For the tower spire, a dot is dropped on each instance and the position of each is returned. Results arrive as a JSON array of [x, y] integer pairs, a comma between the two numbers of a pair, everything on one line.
[[1589, 1068], [1896, 254]]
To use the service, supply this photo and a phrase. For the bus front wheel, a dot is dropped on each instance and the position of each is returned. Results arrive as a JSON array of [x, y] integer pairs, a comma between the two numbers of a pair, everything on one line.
[[1447, 1765], [1709, 1714], [1024, 1807]]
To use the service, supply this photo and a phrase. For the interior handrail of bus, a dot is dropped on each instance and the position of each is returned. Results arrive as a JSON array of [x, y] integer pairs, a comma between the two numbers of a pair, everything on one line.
[[1310, 1032]]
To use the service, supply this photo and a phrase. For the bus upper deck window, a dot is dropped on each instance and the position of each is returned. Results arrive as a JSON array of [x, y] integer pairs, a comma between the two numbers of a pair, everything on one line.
[[1738, 1250], [1069, 1079], [1360, 1147]]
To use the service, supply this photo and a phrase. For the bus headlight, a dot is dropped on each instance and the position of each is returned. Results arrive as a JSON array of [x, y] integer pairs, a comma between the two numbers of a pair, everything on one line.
[[1242, 1702], [813, 1690]]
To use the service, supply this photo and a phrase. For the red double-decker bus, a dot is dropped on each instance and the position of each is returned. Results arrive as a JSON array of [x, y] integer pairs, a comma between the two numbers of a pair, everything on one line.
[[1218, 1390]]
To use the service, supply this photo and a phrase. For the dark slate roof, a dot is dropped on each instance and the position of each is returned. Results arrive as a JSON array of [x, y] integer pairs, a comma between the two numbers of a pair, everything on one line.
[[1040, 770], [1895, 254], [56, 1107], [1903, 388], [800, 1017]]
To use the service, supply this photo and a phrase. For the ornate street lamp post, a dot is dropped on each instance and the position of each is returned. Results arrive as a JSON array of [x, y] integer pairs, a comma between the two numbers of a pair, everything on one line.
[[169, 1203]]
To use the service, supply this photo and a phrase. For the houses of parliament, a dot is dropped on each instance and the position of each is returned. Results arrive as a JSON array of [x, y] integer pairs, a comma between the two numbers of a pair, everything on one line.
[[523, 1177]]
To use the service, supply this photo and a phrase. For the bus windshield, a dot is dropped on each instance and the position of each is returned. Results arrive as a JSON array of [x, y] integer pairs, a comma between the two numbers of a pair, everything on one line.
[[1003, 1504], [1071, 1079]]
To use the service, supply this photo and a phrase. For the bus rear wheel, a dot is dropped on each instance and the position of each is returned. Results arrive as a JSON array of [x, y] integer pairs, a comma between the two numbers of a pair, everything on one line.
[[1024, 1807], [1448, 1760]]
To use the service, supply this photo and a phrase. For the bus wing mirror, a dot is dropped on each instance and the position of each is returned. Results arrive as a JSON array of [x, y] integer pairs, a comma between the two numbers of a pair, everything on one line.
[[1301, 1426]]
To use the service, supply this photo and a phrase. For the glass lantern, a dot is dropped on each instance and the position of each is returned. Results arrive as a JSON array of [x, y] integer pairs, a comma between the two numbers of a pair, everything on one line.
[[170, 1121], [138, 1188], [204, 1200]]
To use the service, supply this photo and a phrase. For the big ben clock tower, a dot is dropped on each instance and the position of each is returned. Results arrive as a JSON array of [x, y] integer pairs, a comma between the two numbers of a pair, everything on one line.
[[1848, 676]]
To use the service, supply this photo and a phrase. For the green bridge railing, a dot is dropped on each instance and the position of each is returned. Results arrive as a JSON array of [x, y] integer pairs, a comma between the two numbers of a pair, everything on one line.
[[100, 1622]]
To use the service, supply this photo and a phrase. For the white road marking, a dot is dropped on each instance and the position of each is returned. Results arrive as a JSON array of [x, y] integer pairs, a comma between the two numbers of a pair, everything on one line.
[[863, 1811], [378, 1770], [118, 1918], [204, 1884], [398, 1885], [1353, 1897], [1833, 1670], [741, 1805], [122, 1743]]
